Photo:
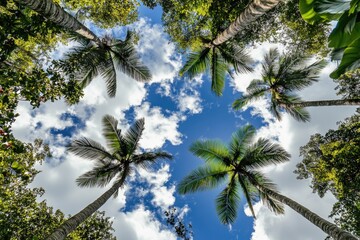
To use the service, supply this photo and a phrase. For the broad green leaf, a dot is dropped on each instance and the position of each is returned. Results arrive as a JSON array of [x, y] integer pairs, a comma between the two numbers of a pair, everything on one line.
[[307, 11], [354, 6], [15, 165], [339, 37], [331, 6], [350, 60]]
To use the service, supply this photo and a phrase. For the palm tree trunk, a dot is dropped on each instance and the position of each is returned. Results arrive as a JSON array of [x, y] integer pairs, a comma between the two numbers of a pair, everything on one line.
[[328, 227], [58, 15], [327, 103], [72, 223], [252, 12]]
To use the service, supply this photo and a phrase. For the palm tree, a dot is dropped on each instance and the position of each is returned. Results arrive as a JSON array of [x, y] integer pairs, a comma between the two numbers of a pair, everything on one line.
[[281, 75], [119, 162], [237, 163], [220, 58], [94, 56]]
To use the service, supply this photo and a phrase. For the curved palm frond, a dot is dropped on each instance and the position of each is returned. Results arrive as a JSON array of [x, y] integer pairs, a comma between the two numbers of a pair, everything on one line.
[[99, 176], [258, 179], [197, 63], [109, 75], [274, 107], [255, 92], [121, 178], [133, 135], [203, 178], [111, 133], [128, 61], [299, 113], [218, 69], [145, 160], [212, 151], [269, 66], [240, 141], [264, 153], [249, 192], [227, 203], [90, 149], [237, 57]]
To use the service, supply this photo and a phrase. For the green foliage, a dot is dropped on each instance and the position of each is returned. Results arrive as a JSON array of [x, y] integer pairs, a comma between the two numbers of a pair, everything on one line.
[[345, 37], [188, 22], [237, 163], [282, 74], [332, 162], [349, 85], [176, 221], [106, 13]]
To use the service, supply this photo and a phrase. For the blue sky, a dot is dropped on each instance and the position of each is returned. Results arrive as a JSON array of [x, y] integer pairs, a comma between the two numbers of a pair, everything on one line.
[[177, 112]]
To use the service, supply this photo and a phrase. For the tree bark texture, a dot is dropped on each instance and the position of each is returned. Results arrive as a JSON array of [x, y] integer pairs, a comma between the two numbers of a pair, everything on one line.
[[254, 10], [58, 15], [331, 229], [339, 102]]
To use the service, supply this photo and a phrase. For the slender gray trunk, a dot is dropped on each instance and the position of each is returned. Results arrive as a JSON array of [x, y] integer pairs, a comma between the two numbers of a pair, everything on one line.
[[72, 223], [328, 227], [254, 10], [58, 15], [337, 102]]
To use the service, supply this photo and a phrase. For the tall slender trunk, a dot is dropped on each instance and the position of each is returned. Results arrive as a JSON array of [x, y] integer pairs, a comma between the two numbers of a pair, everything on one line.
[[251, 12], [71, 224], [327, 103], [58, 15], [328, 227]]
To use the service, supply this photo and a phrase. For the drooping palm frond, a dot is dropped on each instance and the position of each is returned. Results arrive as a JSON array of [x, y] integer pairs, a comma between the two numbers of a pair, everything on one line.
[[133, 135], [109, 75], [299, 113], [248, 191], [236, 57], [264, 153], [99, 176], [197, 63], [212, 151], [259, 179], [218, 69], [255, 91], [269, 66], [147, 159], [240, 141], [203, 178], [90, 149], [111, 133], [128, 61], [227, 203]]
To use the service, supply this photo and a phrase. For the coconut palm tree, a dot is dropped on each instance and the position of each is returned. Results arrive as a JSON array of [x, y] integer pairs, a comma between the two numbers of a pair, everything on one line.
[[116, 163], [237, 163], [281, 75], [94, 56], [220, 58]]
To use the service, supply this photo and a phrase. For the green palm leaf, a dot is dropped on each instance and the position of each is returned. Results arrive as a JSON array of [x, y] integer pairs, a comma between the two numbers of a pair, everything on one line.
[[202, 178], [197, 63], [248, 191], [109, 75], [227, 203], [299, 113], [111, 133], [240, 141], [237, 57], [145, 160], [212, 151], [218, 72], [87, 148], [264, 153], [133, 135]]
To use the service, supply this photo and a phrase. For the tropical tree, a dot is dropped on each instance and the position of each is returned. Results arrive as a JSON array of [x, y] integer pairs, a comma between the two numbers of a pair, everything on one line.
[[281, 75], [118, 162], [219, 58], [238, 163], [96, 55]]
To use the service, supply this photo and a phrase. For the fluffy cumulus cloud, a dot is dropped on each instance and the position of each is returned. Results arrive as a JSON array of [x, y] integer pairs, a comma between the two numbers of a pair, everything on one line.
[[291, 135], [58, 124]]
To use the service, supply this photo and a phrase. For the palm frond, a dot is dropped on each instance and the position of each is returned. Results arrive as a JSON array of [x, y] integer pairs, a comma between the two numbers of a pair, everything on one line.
[[202, 178], [109, 75], [299, 113], [227, 203], [264, 153], [128, 61], [145, 160], [260, 180], [237, 57], [257, 86], [111, 133], [269, 66], [248, 191], [212, 151], [240, 140], [197, 63], [255, 92], [133, 135], [99, 176], [121, 178], [218, 72], [275, 108], [87, 148]]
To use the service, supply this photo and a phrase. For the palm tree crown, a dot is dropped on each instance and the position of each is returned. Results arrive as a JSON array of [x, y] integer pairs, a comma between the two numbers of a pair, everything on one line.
[[281, 75], [219, 60], [116, 163], [237, 163]]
